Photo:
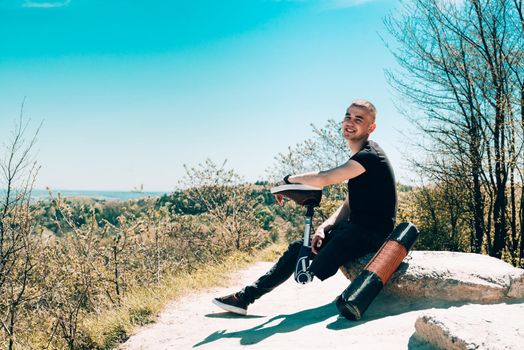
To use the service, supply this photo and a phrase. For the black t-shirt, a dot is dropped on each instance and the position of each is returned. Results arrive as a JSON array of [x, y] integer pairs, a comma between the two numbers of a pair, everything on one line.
[[373, 195]]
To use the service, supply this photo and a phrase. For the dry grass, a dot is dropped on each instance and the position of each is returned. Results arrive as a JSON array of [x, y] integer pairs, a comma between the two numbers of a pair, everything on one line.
[[143, 305]]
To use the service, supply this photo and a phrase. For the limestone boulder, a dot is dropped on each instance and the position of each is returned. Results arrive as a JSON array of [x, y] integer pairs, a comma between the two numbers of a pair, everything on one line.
[[451, 276], [497, 326]]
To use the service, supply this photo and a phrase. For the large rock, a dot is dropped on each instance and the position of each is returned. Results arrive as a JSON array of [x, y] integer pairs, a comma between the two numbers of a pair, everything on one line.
[[450, 276], [498, 326]]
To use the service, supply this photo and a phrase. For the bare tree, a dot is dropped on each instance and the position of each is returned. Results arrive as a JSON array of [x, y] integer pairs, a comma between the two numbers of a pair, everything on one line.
[[17, 230], [459, 61], [227, 201]]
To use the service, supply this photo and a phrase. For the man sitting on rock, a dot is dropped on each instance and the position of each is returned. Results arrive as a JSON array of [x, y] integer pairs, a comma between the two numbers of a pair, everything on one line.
[[358, 227]]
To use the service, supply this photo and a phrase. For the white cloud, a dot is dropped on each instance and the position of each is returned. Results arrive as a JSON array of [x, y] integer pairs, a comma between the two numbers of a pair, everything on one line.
[[335, 3], [347, 3], [46, 4]]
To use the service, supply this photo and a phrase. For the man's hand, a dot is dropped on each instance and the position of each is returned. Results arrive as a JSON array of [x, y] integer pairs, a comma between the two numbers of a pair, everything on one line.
[[318, 238]]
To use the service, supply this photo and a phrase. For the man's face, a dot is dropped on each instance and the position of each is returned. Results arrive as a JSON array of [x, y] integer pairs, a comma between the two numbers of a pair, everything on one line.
[[357, 124]]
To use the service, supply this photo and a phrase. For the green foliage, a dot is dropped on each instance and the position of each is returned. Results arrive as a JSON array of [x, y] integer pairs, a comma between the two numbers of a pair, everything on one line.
[[80, 210], [441, 214], [114, 336], [140, 316]]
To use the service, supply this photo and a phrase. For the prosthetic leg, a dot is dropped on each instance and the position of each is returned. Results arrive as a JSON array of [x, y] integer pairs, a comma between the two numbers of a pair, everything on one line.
[[355, 299], [309, 197]]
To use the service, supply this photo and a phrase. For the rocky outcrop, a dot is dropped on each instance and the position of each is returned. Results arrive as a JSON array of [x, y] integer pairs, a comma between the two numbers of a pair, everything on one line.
[[497, 326], [450, 276]]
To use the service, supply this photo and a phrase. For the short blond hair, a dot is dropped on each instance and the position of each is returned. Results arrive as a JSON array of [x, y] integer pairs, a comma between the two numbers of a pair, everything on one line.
[[365, 104]]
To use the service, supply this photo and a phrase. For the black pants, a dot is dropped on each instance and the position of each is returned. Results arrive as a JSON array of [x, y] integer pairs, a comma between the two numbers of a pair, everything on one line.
[[345, 242]]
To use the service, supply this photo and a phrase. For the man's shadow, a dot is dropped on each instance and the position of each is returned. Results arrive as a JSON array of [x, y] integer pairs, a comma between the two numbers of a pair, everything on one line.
[[286, 323], [383, 306]]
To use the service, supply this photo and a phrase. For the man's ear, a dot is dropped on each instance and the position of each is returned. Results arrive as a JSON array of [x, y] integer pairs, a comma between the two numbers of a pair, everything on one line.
[[372, 127]]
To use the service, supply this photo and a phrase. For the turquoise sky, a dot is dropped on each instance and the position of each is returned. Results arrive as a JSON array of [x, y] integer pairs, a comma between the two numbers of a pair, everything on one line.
[[131, 90]]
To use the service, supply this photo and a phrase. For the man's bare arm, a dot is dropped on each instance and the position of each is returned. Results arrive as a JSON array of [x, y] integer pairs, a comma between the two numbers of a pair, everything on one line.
[[346, 171]]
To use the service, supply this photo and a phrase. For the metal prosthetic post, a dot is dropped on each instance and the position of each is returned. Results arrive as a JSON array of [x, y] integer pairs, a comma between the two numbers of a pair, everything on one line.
[[354, 301], [302, 275], [310, 198]]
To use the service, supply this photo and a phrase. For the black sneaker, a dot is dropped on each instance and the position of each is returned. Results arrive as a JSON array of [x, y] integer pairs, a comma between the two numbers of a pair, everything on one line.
[[232, 303]]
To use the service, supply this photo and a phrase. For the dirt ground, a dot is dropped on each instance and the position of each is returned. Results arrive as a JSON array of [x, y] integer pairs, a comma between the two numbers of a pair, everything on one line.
[[291, 317]]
